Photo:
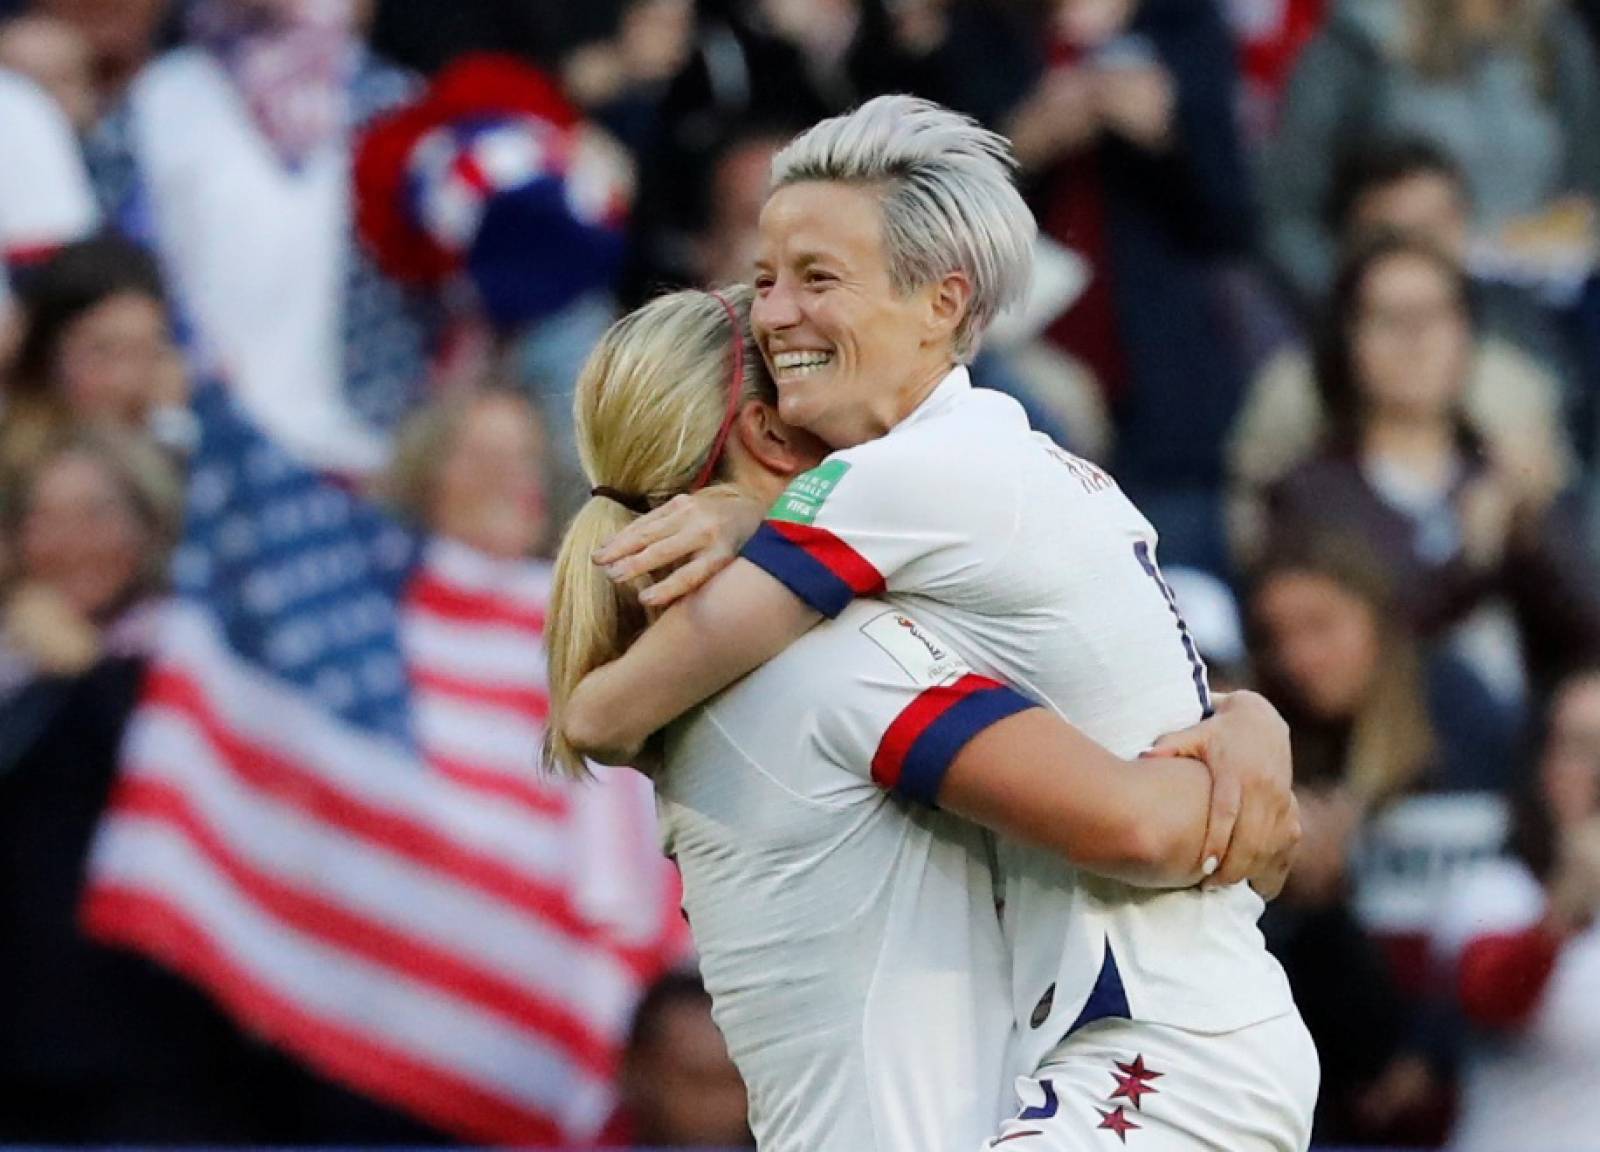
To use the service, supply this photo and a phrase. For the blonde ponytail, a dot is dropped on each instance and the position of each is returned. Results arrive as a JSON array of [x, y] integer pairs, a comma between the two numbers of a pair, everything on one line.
[[649, 404]]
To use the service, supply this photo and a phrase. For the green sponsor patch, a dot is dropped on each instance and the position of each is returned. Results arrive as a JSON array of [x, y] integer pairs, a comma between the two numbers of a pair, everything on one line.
[[804, 497]]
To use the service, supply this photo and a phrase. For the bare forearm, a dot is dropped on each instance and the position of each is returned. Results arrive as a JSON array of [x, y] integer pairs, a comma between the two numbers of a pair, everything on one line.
[[1035, 778], [740, 620]]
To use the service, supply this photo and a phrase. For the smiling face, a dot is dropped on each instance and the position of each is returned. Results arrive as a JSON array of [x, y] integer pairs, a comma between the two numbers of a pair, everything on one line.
[[1321, 639], [1411, 340], [110, 359], [851, 355], [80, 535], [489, 491]]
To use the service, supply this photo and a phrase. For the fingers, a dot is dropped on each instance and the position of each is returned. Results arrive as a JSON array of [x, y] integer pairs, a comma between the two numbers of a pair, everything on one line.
[[668, 591], [1269, 884], [1189, 744], [1221, 821], [646, 530], [663, 554], [1257, 836]]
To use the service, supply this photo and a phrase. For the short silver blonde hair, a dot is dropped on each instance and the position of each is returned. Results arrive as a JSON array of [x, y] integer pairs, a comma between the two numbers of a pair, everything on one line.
[[950, 202]]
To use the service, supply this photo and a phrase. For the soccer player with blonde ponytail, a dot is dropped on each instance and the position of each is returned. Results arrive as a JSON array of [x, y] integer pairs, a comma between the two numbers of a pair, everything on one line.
[[654, 407]]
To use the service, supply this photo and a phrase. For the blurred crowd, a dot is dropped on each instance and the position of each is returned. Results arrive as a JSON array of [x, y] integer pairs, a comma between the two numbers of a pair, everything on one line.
[[1319, 281]]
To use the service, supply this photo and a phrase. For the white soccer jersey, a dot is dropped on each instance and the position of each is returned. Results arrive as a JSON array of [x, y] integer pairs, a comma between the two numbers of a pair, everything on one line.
[[1036, 567], [848, 936]]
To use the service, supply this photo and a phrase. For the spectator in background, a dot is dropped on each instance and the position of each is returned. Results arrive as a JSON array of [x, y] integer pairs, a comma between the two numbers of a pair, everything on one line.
[[1410, 186], [1271, 35], [679, 1087], [473, 468], [1373, 713], [1123, 117], [122, 37], [1384, 1081], [735, 187], [45, 198], [1510, 90], [55, 56], [1401, 465], [1522, 941], [784, 63], [1372, 720], [621, 79], [96, 350], [240, 150], [95, 1046]]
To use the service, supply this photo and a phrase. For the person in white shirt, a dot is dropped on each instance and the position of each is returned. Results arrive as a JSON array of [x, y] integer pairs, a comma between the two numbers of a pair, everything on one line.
[[848, 933], [892, 237], [45, 199]]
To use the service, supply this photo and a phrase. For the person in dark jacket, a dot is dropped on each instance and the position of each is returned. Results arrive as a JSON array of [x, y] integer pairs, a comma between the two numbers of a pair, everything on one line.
[[1403, 468], [1123, 117]]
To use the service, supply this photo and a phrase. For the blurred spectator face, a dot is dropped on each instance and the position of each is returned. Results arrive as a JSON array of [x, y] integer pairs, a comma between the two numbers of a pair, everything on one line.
[[1570, 769], [111, 361], [489, 489], [1321, 639], [685, 1091], [823, 29], [1428, 204], [738, 190], [1091, 23], [1412, 341], [80, 534], [56, 57], [121, 33], [655, 37]]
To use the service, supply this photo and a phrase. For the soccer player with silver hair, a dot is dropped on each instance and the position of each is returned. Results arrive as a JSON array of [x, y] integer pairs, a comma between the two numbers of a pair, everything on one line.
[[892, 236]]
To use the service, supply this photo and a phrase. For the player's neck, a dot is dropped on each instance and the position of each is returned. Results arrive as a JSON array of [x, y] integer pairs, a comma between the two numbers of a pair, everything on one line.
[[913, 397]]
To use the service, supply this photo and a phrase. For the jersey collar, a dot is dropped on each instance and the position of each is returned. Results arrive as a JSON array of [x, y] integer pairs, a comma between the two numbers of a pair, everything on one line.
[[946, 395]]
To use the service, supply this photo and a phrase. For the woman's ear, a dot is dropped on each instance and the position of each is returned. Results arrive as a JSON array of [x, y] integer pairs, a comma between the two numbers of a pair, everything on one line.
[[774, 444], [948, 303]]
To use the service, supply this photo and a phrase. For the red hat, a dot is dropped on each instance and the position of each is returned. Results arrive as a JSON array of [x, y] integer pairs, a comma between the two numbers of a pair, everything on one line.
[[490, 173]]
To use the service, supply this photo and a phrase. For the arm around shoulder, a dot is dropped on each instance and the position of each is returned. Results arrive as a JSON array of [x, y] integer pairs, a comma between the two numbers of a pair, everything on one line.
[[738, 621]]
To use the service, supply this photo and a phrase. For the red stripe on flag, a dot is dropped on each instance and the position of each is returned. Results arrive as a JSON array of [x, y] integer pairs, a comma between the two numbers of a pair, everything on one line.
[[271, 773], [530, 703], [543, 802], [134, 918], [914, 720], [361, 936], [834, 555], [431, 594]]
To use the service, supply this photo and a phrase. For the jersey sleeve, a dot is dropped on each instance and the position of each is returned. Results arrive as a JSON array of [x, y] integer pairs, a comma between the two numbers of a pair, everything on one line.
[[887, 516], [45, 200], [911, 707]]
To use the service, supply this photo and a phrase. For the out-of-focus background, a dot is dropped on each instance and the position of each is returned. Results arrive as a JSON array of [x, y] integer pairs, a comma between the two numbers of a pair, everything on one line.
[[294, 296]]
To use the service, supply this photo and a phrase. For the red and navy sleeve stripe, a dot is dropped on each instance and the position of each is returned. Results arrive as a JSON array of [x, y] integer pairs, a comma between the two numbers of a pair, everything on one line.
[[814, 564], [924, 740]]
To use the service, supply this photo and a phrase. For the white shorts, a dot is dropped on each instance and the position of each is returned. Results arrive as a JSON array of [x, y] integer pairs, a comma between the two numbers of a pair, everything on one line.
[[1117, 1084]]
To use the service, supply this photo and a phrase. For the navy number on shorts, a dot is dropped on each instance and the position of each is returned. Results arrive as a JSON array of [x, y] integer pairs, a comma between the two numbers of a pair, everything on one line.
[[1046, 1110], [1141, 550]]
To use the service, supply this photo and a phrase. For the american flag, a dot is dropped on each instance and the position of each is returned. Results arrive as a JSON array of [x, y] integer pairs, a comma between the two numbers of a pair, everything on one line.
[[329, 813]]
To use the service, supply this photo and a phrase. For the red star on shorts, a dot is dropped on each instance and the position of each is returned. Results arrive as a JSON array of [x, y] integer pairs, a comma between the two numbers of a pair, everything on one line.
[[1134, 1081], [1117, 1121]]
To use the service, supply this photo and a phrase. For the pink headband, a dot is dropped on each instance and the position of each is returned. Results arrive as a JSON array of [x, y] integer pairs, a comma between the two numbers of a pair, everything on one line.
[[735, 392]]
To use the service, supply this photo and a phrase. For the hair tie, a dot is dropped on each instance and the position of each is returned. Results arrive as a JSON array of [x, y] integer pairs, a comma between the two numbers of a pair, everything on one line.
[[629, 500], [735, 391]]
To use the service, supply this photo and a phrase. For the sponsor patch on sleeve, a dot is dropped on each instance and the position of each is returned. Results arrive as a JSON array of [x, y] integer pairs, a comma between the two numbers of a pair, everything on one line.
[[924, 657], [806, 494]]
